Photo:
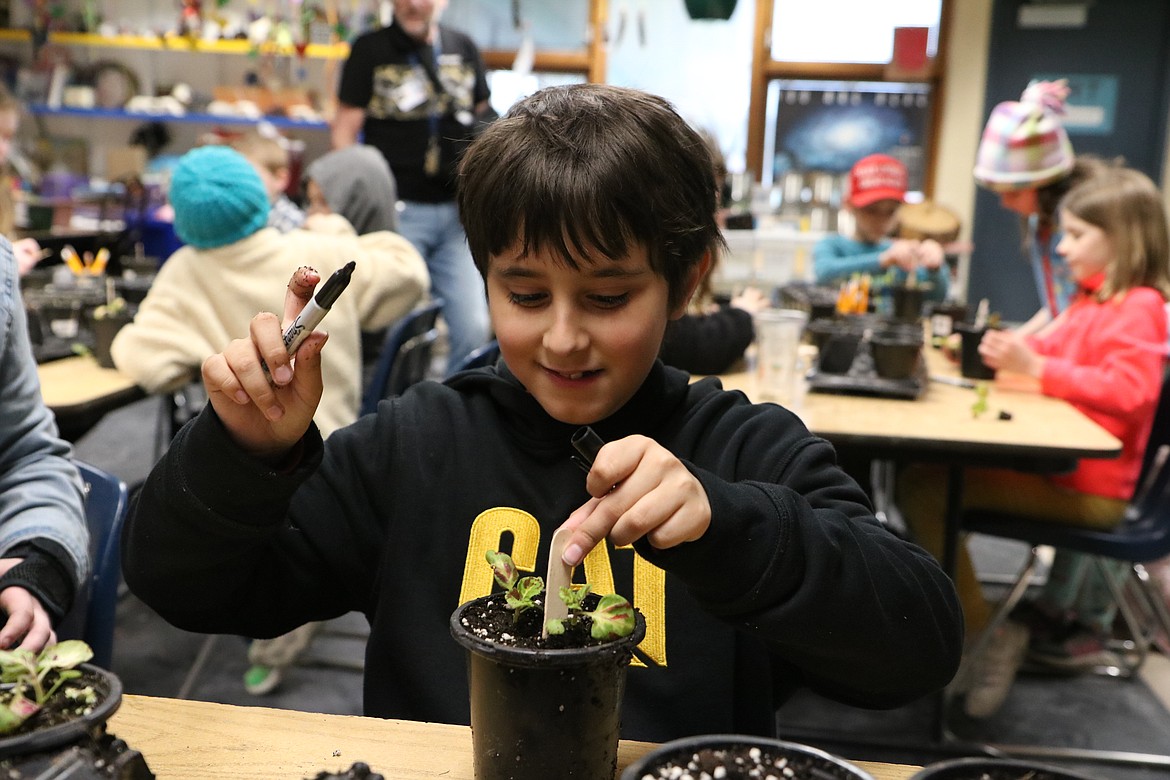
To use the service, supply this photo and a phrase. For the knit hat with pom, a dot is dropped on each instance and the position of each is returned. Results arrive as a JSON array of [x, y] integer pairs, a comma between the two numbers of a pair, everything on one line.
[[1024, 144], [218, 197]]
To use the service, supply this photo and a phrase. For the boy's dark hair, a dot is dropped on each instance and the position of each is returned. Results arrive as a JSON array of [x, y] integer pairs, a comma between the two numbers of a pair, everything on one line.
[[587, 170]]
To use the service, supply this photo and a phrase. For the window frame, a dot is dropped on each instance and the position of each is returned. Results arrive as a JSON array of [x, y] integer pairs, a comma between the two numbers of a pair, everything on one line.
[[766, 70], [590, 62]]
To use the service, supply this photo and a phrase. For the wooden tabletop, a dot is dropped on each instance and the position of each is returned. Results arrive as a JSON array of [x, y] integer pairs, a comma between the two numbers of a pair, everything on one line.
[[941, 420], [189, 740], [79, 381], [80, 392]]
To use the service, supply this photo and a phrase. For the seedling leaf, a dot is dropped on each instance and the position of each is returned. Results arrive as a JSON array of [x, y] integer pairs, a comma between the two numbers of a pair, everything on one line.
[[613, 618], [503, 569]]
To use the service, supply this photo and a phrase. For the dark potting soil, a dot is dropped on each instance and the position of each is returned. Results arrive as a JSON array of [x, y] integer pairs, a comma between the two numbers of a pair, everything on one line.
[[358, 771], [492, 620], [745, 762], [62, 709]]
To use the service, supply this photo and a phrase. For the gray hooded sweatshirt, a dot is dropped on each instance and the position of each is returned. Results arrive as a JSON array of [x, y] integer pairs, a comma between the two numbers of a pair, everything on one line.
[[357, 184]]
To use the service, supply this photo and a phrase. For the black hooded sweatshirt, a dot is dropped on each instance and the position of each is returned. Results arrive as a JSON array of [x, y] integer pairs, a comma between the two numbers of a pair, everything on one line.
[[794, 584]]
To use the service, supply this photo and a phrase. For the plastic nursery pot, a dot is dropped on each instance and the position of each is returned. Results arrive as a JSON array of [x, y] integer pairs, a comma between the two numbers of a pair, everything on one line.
[[971, 365], [104, 330], [109, 691], [895, 354], [539, 713], [995, 769], [908, 303], [738, 755], [836, 342]]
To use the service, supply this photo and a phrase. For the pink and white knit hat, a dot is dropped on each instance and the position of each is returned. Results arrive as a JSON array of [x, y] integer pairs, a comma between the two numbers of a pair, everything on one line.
[[1024, 144]]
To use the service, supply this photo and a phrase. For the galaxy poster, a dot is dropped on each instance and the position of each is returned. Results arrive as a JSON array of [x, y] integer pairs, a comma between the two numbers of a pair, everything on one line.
[[828, 126]]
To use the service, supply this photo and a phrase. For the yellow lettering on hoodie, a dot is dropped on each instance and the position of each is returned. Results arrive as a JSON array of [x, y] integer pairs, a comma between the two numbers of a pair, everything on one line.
[[487, 533]]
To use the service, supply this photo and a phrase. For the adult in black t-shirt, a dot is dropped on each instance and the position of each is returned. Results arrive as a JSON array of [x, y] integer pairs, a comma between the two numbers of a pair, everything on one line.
[[416, 90]]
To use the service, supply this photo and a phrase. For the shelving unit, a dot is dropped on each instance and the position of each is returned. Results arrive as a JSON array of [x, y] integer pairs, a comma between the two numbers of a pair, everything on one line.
[[335, 51], [118, 114]]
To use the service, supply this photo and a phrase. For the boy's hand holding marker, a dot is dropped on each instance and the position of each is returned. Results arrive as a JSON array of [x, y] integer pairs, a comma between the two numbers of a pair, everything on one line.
[[263, 402], [639, 488]]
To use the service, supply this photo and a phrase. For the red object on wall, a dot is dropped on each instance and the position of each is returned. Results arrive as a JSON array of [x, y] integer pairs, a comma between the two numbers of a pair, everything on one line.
[[910, 48]]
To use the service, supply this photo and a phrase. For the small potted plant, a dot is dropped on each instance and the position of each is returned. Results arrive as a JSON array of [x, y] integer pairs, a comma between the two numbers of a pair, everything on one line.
[[107, 320], [545, 707], [740, 757], [53, 698]]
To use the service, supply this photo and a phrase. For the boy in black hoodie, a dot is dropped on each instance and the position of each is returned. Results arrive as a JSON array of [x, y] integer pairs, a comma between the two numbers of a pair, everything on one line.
[[757, 562]]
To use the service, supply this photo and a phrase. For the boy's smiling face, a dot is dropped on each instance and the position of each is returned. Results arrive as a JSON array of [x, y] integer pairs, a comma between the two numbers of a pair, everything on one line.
[[581, 341]]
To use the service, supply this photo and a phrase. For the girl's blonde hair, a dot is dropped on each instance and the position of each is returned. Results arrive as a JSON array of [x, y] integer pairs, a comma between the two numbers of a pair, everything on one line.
[[1126, 205]]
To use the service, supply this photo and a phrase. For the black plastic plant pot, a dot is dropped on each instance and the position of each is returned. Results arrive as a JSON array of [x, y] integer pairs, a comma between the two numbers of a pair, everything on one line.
[[996, 769], [109, 693], [104, 331], [895, 356], [836, 342], [739, 757], [971, 365], [539, 713], [908, 303]]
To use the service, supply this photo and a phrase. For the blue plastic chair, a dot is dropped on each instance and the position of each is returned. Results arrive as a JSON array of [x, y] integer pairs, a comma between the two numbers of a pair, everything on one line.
[[92, 617], [479, 357], [405, 356]]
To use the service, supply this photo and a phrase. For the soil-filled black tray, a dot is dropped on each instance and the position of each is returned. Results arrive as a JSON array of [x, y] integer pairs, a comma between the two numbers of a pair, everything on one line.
[[862, 379]]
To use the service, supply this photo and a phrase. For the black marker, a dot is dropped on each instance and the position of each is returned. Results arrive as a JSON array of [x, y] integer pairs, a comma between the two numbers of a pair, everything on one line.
[[587, 444], [317, 307]]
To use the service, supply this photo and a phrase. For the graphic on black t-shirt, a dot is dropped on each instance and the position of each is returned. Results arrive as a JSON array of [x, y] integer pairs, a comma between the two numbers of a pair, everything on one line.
[[406, 92]]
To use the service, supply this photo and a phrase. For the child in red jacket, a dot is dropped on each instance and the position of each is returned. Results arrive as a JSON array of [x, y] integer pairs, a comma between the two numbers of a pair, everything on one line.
[[1104, 355]]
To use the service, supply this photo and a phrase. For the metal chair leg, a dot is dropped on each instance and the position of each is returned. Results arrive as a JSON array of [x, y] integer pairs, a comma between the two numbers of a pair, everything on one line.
[[197, 665], [1153, 595], [1009, 602]]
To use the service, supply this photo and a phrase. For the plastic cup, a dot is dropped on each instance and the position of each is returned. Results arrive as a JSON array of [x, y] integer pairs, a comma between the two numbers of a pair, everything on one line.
[[779, 362]]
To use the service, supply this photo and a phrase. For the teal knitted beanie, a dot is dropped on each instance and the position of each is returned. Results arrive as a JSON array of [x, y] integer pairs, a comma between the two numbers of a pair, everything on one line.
[[217, 196]]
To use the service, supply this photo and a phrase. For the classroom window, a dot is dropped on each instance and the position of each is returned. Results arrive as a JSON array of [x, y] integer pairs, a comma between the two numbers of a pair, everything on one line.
[[847, 30]]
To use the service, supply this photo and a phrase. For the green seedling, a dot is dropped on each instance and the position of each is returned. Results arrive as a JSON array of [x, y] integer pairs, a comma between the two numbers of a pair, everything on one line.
[[980, 405], [29, 680], [613, 617]]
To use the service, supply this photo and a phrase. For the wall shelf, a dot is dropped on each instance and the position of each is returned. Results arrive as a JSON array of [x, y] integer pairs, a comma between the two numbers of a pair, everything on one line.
[[118, 114], [334, 51]]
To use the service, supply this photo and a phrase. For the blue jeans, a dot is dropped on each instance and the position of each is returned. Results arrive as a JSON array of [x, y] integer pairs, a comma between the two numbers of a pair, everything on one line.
[[435, 231]]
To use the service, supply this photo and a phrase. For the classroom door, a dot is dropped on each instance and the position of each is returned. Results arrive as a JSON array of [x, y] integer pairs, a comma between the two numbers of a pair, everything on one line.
[[1118, 62]]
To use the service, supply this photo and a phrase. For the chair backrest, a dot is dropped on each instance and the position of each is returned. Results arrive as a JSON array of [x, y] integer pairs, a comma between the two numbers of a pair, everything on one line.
[[1147, 518], [485, 355], [405, 355], [93, 614], [1153, 467]]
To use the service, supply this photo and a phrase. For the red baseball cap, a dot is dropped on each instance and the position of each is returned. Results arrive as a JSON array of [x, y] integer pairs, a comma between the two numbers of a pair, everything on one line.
[[877, 177]]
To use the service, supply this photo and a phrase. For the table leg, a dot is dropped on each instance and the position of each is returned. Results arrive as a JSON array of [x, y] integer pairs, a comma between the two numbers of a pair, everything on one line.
[[951, 530], [951, 534]]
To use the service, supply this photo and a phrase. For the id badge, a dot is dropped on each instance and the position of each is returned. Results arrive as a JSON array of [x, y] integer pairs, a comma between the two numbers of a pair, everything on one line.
[[410, 95], [431, 160]]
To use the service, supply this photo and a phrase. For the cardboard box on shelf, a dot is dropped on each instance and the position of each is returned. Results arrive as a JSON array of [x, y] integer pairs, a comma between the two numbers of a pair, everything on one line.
[[124, 162]]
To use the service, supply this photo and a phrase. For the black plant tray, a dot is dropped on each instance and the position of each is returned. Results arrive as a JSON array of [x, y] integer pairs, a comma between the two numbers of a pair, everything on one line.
[[863, 379]]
